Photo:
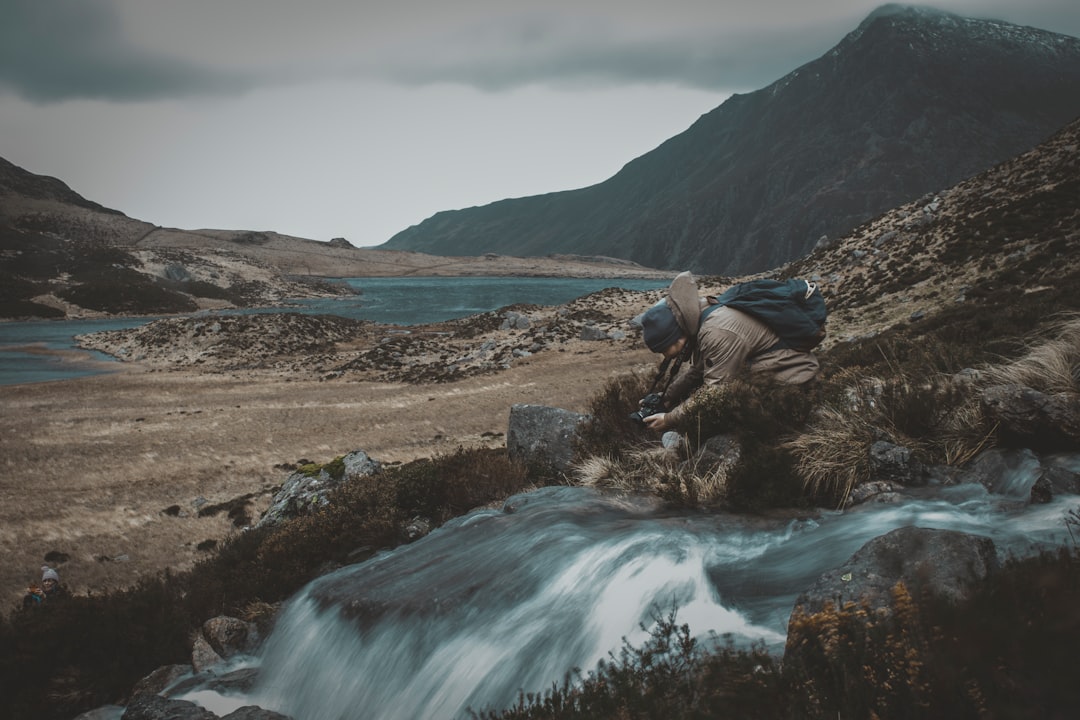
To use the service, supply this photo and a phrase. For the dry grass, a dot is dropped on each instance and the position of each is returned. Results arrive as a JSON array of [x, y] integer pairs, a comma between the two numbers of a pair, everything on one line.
[[665, 472], [1051, 364], [831, 454]]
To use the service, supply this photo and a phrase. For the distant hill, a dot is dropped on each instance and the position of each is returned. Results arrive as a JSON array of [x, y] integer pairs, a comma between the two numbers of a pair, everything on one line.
[[62, 255], [911, 102]]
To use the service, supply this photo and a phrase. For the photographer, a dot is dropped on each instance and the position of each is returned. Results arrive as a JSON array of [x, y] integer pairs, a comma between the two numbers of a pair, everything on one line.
[[719, 347], [49, 590]]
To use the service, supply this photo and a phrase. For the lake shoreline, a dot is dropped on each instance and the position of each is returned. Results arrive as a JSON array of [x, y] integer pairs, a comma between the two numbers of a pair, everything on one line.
[[93, 464]]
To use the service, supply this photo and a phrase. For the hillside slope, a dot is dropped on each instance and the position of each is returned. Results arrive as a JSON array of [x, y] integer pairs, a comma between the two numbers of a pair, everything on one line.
[[62, 255], [911, 102]]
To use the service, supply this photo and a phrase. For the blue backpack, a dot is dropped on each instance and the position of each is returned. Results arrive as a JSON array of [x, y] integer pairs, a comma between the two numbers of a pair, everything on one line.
[[793, 309]]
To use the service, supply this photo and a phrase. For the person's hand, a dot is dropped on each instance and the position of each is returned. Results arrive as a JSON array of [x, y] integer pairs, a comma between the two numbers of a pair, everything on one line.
[[658, 421]]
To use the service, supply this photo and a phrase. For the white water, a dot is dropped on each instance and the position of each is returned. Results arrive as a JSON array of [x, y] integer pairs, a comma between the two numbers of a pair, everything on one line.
[[500, 601]]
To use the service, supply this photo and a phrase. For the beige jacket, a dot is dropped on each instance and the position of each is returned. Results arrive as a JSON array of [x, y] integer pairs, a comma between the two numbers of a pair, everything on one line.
[[729, 343]]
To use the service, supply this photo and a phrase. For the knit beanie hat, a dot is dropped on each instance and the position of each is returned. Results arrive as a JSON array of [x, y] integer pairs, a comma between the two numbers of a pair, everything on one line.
[[659, 327], [47, 573]]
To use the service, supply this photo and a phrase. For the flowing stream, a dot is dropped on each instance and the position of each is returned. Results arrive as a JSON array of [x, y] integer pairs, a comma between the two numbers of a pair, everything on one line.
[[510, 599]]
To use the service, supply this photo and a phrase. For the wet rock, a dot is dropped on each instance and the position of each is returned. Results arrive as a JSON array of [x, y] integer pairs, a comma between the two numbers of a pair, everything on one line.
[[1029, 418], [160, 680], [945, 563], [1042, 491], [203, 655], [105, 712], [252, 712], [895, 463], [155, 707], [1003, 471], [235, 682], [876, 490], [416, 528], [230, 636], [1053, 481]]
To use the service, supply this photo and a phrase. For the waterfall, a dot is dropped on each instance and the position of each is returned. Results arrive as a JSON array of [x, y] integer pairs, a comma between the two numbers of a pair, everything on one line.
[[508, 600]]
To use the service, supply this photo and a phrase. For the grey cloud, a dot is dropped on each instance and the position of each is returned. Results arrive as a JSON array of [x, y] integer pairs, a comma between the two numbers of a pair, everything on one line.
[[65, 49], [58, 49], [719, 63]]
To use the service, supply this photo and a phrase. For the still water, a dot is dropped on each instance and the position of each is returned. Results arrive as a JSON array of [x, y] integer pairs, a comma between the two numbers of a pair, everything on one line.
[[398, 301]]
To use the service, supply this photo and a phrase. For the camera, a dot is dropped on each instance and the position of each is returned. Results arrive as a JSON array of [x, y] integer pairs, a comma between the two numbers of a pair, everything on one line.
[[649, 405]]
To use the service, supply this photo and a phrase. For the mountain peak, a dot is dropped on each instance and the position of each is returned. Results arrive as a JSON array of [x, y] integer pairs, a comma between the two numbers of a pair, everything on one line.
[[907, 11]]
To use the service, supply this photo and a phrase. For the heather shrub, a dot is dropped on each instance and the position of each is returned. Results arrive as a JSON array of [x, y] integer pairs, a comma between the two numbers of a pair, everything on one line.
[[85, 651], [65, 658], [670, 676], [1007, 652], [609, 431]]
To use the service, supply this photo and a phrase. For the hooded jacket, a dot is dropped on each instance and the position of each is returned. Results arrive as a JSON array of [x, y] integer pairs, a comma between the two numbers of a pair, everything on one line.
[[727, 344]]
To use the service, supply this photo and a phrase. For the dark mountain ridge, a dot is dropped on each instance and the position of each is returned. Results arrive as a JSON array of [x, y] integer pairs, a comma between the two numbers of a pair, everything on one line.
[[15, 180], [912, 101]]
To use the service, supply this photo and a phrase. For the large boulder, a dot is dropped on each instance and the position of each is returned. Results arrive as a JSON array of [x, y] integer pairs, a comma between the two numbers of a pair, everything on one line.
[[1033, 419], [945, 563], [539, 435]]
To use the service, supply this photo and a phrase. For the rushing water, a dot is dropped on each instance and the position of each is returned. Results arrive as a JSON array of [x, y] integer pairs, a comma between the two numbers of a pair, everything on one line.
[[508, 600], [398, 301]]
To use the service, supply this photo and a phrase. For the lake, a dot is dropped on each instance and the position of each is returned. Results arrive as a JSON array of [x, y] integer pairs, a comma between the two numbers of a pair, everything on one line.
[[397, 301]]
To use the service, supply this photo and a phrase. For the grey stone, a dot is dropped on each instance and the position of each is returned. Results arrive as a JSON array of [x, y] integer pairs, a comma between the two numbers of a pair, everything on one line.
[[543, 435], [1033, 419], [895, 463], [105, 712], [161, 679], [203, 655], [252, 712], [872, 490], [230, 636], [155, 707], [945, 563], [1003, 471], [592, 332]]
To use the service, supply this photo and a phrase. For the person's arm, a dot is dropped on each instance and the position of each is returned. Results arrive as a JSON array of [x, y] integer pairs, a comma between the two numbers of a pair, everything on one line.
[[722, 356], [688, 380]]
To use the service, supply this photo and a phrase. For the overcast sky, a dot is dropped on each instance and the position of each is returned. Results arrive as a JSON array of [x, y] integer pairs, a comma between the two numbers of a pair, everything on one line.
[[359, 118]]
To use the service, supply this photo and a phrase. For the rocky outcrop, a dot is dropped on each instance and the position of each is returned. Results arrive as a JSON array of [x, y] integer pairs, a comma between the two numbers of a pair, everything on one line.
[[308, 488]]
